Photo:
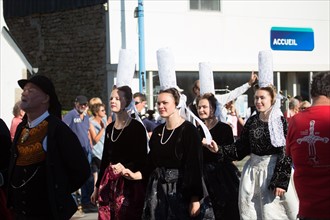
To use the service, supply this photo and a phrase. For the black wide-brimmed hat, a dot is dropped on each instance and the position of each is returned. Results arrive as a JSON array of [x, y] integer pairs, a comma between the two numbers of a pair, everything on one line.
[[46, 85]]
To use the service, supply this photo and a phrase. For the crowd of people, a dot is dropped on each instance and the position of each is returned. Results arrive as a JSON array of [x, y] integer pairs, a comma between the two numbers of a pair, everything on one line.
[[125, 168]]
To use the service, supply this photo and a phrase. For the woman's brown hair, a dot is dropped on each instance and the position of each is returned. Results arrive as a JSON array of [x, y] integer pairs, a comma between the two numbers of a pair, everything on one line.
[[175, 93]]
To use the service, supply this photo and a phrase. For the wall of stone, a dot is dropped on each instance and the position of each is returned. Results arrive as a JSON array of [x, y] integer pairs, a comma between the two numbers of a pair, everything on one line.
[[67, 46]]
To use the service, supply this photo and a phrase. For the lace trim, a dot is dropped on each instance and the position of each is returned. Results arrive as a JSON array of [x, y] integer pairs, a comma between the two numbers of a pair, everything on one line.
[[275, 125]]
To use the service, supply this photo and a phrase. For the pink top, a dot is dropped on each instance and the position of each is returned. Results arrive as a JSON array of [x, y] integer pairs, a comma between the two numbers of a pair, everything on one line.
[[13, 126]]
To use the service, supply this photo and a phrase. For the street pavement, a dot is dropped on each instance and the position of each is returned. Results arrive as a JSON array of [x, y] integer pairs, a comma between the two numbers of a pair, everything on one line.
[[85, 216]]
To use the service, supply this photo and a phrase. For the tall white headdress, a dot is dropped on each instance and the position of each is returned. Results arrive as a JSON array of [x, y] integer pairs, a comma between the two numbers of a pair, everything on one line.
[[166, 69], [206, 82], [167, 76], [167, 79], [275, 126], [126, 67], [125, 74], [265, 60]]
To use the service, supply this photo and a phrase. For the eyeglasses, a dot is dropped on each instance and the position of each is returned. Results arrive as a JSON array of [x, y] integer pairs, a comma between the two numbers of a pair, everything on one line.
[[136, 103], [85, 104]]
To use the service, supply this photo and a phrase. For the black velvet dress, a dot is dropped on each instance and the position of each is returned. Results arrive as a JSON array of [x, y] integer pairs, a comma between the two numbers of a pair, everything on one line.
[[130, 149], [175, 168], [221, 175]]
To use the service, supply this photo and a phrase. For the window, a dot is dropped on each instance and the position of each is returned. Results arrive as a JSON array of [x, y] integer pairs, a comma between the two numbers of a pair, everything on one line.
[[205, 5]]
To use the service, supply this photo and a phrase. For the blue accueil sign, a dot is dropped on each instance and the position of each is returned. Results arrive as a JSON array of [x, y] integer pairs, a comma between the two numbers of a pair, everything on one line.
[[297, 39]]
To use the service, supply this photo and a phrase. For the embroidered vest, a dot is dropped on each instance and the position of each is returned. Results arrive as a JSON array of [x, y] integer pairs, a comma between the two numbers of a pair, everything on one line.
[[29, 145], [29, 180]]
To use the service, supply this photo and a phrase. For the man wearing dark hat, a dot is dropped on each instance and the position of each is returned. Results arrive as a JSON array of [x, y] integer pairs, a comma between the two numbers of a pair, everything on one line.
[[77, 119], [47, 162]]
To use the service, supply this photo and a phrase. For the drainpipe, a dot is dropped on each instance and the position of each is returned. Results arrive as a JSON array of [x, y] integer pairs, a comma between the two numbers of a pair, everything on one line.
[[142, 68], [110, 69]]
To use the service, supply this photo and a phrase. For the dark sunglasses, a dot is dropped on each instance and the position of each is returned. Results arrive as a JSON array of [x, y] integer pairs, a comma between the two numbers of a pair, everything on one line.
[[137, 103]]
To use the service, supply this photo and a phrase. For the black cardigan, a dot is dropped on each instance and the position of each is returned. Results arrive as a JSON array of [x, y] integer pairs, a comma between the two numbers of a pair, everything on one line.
[[66, 164]]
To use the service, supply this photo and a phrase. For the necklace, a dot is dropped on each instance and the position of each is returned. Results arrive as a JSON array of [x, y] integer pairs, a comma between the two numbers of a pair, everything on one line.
[[161, 139], [119, 132]]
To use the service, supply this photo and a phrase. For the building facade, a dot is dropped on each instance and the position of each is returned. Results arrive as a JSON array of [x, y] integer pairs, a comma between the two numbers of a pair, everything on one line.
[[78, 45], [229, 35]]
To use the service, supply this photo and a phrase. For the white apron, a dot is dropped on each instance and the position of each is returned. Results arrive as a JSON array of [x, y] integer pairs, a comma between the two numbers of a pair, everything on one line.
[[256, 201]]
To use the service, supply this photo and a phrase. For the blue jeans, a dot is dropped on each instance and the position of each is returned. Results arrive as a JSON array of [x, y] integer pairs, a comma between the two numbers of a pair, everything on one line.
[[87, 190], [88, 187]]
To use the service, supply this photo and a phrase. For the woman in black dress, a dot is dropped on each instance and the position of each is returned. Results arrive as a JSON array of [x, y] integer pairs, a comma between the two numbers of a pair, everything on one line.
[[265, 190], [125, 147], [175, 186], [220, 174]]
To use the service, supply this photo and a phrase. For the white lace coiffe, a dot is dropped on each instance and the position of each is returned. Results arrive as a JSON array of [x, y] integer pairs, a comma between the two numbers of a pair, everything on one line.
[[275, 124]]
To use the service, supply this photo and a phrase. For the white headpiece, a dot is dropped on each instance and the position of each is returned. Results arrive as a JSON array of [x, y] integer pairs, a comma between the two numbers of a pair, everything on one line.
[[265, 60], [167, 79], [126, 67], [166, 68], [275, 126], [206, 79], [206, 82], [125, 74]]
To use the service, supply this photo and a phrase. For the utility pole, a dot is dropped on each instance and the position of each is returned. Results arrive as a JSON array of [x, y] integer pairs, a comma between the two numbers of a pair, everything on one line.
[[142, 68]]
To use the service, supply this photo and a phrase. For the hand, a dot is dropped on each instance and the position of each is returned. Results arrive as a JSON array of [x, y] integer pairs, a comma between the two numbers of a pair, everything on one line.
[[253, 78], [232, 108], [279, 192], [204, 142], [95, 196], [117, 168], [213, 146], [128, 174], [194, 207]]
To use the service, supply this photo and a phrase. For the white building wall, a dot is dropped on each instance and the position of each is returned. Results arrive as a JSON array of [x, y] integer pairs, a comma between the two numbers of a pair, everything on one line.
[[229, 39], [12, 68]]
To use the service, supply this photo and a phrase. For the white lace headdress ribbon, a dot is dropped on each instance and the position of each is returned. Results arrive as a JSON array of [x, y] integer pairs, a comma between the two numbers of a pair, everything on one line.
[[218, 113], [167, 79], [182, 105], [265, 79], [206, 131], [275, 124], [131, 110]]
